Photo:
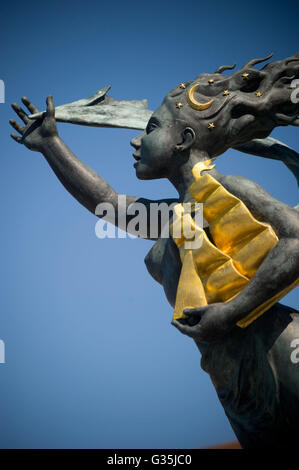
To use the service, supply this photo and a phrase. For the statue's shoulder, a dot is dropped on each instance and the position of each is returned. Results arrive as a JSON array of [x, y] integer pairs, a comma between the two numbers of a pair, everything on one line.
[[261, 204], [251, 193], [237, 183]]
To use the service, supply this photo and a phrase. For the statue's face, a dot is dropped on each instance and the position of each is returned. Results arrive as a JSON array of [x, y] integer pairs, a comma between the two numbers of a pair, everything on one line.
[[156, 146]]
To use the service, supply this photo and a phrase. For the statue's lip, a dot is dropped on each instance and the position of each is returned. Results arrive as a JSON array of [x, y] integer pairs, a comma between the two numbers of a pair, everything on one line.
[[137, 157]]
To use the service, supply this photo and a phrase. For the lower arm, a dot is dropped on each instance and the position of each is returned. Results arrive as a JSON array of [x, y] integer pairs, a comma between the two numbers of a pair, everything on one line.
[[80, 180], [279, 270]]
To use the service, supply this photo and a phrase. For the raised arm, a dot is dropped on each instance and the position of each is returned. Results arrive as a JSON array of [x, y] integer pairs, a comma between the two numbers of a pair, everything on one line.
[[88, 187]]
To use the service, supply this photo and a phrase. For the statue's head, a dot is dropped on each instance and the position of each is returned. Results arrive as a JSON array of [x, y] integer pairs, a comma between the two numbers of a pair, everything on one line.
[[212, 113]]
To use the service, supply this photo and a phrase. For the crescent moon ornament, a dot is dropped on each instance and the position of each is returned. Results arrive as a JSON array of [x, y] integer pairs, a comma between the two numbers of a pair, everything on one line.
[[196, 104]]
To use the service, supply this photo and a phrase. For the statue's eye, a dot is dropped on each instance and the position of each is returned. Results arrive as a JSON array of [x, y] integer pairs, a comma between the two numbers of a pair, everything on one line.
[[151, 127]]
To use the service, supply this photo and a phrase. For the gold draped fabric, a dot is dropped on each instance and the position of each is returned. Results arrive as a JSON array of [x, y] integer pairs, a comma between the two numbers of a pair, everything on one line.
[[217, 271]]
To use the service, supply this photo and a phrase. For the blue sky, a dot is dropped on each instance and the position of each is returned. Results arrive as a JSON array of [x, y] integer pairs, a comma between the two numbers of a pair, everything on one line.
[[91, 357]]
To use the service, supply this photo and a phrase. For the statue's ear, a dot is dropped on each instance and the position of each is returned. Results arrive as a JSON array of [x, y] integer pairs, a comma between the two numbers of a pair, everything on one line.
[[188, 138]]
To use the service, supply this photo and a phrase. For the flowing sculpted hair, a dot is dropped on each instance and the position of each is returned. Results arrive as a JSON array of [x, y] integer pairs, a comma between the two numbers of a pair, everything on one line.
[[231, 110]]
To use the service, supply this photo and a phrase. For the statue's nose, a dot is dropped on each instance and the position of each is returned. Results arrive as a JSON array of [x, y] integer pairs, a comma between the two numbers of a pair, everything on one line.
[[136, 142]]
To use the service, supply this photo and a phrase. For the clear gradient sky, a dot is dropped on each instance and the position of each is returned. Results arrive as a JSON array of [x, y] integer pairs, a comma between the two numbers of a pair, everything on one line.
[[92, 360]]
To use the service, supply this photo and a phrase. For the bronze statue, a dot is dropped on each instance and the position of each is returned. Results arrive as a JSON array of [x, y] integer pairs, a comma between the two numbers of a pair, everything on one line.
[[225, 294]]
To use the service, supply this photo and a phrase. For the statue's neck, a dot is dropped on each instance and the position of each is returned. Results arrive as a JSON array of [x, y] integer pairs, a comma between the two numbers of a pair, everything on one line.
[[182, 176]]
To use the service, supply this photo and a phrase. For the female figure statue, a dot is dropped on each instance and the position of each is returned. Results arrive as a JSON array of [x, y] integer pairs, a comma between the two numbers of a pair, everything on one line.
[[249, 256]]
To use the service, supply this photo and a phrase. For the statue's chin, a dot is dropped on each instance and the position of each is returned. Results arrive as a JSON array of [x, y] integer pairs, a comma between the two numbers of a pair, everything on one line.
[[143, 172]]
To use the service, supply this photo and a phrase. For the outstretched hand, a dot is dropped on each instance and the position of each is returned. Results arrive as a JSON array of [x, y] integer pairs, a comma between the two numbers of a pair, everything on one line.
[[36, 132], [210, 323]]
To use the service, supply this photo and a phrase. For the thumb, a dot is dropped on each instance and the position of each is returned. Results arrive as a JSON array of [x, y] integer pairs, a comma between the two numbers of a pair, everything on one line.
[[195, 312], [50, 106]]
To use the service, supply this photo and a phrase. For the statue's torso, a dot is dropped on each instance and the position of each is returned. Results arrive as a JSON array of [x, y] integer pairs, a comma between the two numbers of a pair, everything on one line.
[[250, 367], [164, 261]]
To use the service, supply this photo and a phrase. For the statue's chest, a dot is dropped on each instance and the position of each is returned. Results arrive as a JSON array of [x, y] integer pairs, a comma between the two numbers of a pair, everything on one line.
[[216, 269], [164, 265]]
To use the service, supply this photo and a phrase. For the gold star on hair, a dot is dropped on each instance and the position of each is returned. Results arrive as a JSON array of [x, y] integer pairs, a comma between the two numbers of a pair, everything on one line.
[[211, 81], [245, 75], [182, 85], [179, 105], [211, 125], [225, 93], [258, 93]]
